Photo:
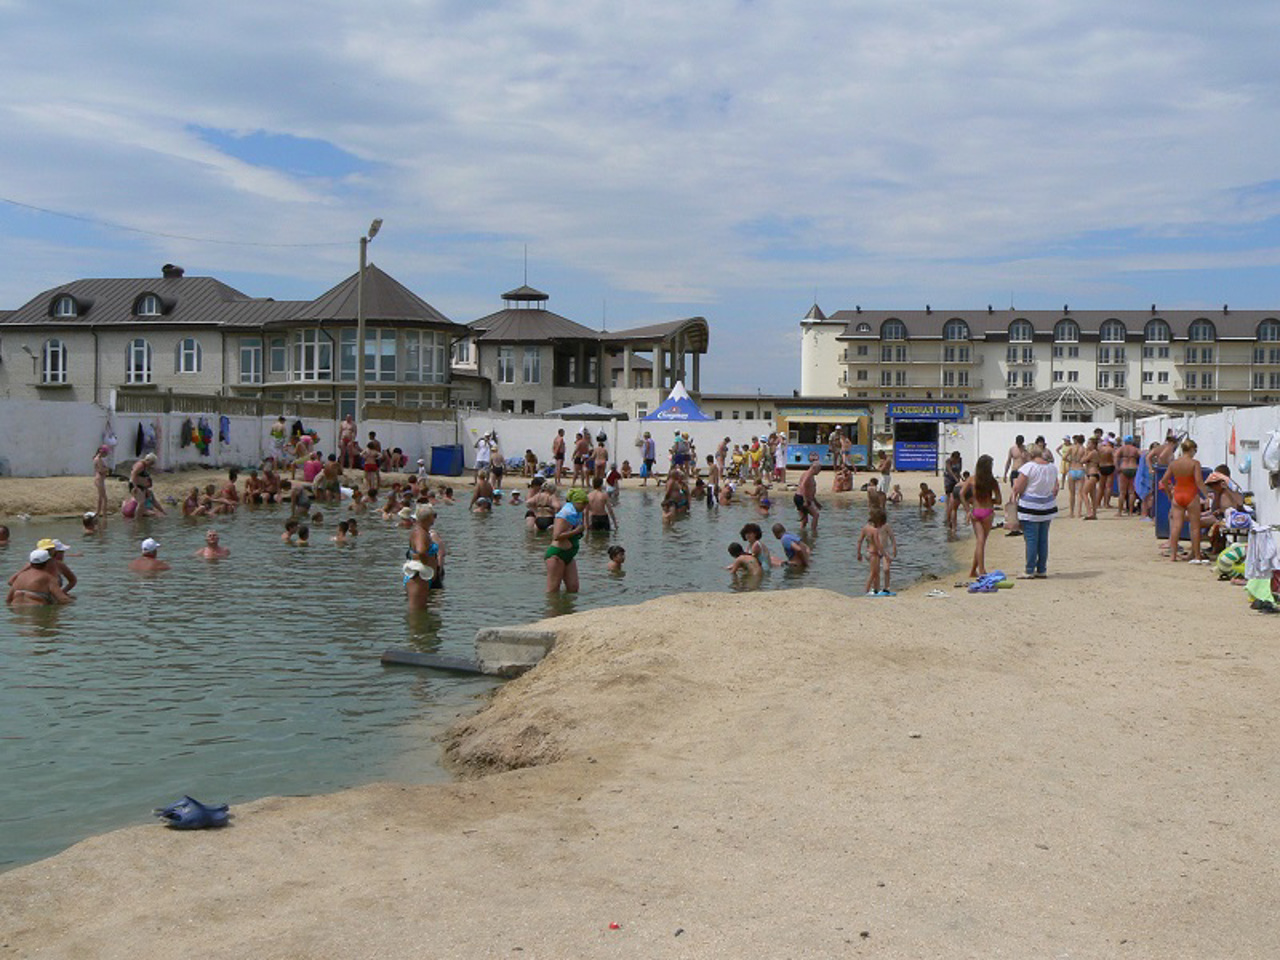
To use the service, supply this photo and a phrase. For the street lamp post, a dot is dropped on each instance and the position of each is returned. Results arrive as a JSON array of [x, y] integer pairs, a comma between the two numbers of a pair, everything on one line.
[[364, 255]]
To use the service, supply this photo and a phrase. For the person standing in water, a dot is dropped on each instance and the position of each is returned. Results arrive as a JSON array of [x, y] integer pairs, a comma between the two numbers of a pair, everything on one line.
[[36, 584], [212, 550], [600, 515], [566, 536], [806, 498]]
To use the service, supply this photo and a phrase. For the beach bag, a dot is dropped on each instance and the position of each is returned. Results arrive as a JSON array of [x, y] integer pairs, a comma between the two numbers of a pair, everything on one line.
[[644, 469]]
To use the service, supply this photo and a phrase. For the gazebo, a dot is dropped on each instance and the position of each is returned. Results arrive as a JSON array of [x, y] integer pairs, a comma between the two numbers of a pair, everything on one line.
[[1069, 405]]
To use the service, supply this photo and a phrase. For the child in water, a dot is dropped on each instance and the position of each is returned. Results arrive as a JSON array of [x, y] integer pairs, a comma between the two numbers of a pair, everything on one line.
[[617, 557], [927, 497], [743, 562], [797, 550], [304, 536], [290, 531], [878, 537]]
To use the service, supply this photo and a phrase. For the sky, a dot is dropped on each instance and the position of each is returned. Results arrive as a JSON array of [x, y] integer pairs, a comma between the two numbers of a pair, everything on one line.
[[657, 160]]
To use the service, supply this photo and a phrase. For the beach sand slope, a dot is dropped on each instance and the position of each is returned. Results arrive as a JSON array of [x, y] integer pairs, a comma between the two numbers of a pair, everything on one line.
[[1077, 767]]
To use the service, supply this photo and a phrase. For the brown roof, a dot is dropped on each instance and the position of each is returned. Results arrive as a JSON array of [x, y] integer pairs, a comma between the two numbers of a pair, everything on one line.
[[522, 325], [994, 324], [385, 300], [184, 300], [696, 331]]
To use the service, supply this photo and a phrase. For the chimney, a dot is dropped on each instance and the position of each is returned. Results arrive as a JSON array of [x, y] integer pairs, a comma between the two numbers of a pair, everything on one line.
[[928, 309], [990, 309], [1153, 309], [858, 309], [171, 271], [1224, 309], [1066, 308]]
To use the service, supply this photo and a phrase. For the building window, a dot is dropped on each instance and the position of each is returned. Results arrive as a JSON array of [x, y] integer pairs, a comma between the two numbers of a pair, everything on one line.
[[1259, 380], [532, 365], [1148, 376], [1202, 331], [1112, 332], [864, 328], [900, 378], [1157, 331], [424, 357], [862, 374], [1206, 380], [1162, 376], [962, 379], [1190, 380], [1073, 353], [893, 330], [66, 307], [1162, 353], [733, 414], [886, 354], [346, 403], [719, 414], [526, 406], [751, 414], [1148, 353], [1273, 355], [956, 330], [1028, 378], [138, 362], [250, 360], [1057, 376], [863, 350], [1021, 331], [1011, 381], [148, 305], [1273, 380], [1028, 355], [380, 354], [1073, 376], [1269, 331], [1057, 353], [592, 363], [53, 362], [312, 356], [188, 356], [1206, 354], [462, 351], [507, 366], [1066, 331], [886, 378], [508, 406], [1011, 355], [1104, 380], [279, 355], [1118, 378]]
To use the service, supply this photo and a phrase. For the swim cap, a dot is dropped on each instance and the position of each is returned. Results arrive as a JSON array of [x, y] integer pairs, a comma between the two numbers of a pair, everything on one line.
[[47, 544], [150, 546], [39, 556], [426, 510], [576, 495]]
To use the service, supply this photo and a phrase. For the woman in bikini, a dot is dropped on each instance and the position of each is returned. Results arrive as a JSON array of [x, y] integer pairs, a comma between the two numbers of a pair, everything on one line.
[[566, 535], [1184, 483], [101, 470], [1073, 457], [1092, 476], [982, 492], [1106, 468]]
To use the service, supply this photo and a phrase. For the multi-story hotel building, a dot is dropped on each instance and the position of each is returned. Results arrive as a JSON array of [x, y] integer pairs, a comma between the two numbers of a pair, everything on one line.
[[1182, 357]]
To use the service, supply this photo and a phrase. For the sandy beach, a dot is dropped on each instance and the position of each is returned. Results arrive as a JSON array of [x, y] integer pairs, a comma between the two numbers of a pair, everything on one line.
[[1077, 767]]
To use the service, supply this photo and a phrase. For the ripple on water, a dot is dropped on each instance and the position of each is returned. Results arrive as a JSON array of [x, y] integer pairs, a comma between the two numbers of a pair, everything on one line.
[[259, 675]]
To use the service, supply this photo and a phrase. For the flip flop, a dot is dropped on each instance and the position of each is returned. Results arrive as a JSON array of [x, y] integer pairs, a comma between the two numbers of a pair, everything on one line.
[[935, 593]]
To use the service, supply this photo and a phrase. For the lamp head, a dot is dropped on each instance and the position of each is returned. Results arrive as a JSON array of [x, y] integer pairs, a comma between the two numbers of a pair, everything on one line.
[[374, 228]]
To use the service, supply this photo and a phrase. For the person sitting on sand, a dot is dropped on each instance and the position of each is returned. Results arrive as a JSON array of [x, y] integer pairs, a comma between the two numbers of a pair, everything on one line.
[[36, 584]]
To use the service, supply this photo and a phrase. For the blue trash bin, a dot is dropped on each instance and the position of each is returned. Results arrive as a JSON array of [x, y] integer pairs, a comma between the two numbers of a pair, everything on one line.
[[446, 461]]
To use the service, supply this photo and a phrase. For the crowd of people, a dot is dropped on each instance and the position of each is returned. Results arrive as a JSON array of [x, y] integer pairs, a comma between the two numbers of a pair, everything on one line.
[[574, 493]]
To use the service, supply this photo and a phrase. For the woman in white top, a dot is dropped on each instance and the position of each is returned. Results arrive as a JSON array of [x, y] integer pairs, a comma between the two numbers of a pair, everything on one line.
[[1036, 493]]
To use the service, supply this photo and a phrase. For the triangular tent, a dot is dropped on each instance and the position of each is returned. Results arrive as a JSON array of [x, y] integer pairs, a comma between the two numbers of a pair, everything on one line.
[[679, 406]]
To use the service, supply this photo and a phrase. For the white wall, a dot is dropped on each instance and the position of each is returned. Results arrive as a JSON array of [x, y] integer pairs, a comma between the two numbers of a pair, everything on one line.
[[1212, 434], [45, 438]]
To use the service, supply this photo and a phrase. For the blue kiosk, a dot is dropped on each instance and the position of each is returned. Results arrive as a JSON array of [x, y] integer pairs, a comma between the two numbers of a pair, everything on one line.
[[915, 432]]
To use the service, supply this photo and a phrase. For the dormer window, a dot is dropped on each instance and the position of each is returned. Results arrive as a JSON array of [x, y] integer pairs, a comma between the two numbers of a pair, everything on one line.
[[955, 330], [1157, 331], [893, 330], [1066, 331], [1021, 331], [148, 305], [66, 306], [864, 328], [1202, 331], [1112, 331]]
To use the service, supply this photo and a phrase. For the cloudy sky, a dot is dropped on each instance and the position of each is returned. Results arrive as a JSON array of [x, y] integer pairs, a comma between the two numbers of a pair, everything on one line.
[[658, 160]]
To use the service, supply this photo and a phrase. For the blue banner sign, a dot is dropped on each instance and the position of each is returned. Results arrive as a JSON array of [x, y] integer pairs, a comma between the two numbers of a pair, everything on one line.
[[915, 456], [924, 411]]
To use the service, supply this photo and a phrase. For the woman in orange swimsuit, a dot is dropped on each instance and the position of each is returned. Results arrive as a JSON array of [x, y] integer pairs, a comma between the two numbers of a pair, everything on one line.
[[1184, 483]]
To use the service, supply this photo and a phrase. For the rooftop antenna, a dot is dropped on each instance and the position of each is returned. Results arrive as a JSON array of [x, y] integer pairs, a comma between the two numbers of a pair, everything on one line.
[[526, 264], [604, 314]]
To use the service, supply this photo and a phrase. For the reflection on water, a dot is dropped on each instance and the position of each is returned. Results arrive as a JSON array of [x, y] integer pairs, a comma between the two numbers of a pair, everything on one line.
[[259, 674]]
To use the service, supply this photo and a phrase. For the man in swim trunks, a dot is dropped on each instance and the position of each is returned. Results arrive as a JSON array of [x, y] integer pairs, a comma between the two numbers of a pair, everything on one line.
[[797, 550], [347, 445], [557, 454], [806, 498], [600, 514], [36, 584], [886, 471], [148, 562]]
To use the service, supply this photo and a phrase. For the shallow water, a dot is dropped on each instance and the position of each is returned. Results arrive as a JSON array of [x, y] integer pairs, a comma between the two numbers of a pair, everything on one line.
[[258, 675]]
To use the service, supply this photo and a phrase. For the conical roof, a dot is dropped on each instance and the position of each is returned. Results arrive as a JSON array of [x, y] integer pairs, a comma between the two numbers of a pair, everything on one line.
[[385, 299], [815, 313], [1070, 400], [526, 294]]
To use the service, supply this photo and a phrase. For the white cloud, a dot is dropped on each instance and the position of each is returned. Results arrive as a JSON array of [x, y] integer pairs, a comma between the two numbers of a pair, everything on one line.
[[937, 151]]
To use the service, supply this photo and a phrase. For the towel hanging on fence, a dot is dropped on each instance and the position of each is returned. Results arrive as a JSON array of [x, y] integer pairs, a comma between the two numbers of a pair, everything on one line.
[[224, 429]]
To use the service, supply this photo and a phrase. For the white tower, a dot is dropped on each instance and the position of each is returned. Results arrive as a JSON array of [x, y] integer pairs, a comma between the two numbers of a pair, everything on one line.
[[820, 365]]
